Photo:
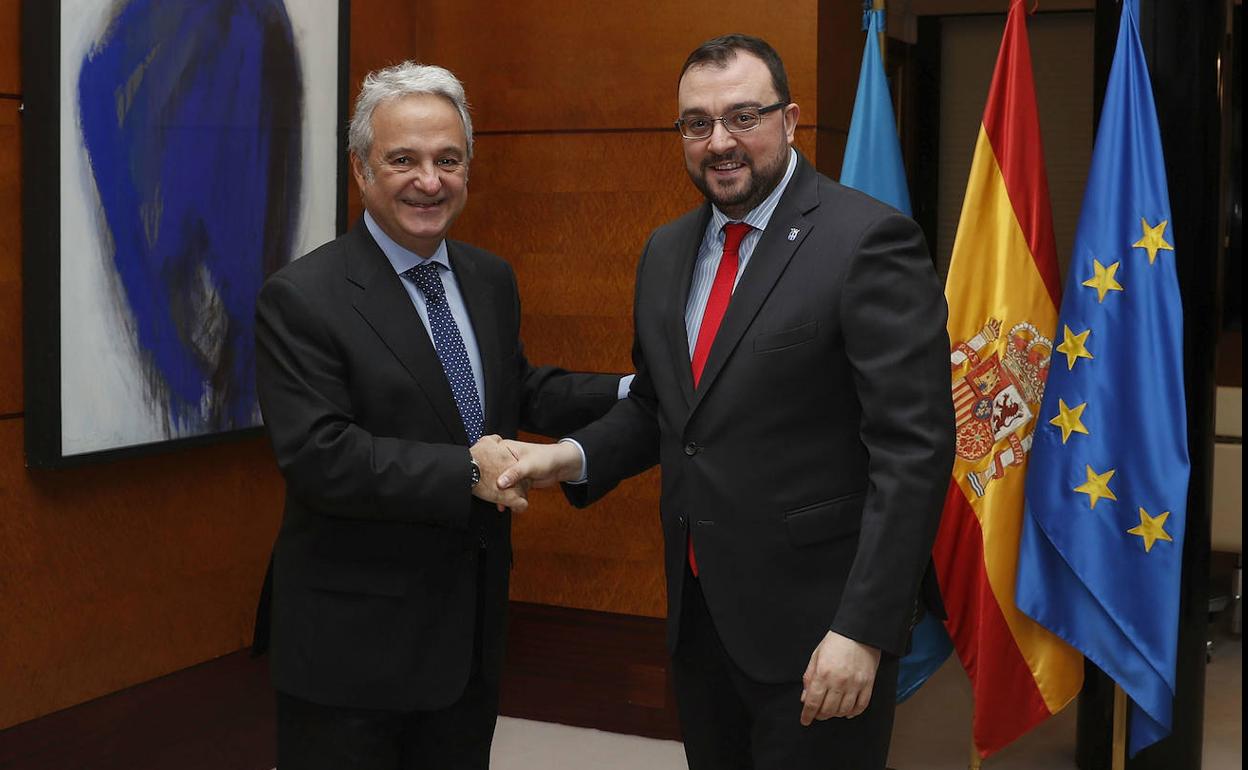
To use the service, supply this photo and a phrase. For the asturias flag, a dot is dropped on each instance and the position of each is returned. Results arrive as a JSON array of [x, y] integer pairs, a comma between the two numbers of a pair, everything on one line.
[[1003, 292], [872, 153], [1103, 537], [873, 165]]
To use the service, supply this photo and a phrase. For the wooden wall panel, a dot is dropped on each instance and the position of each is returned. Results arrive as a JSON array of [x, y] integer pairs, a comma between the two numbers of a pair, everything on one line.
[[113, 574], [840, 43], [10, 259], [607, 557], [383, 32], [10, 49], [573, 66], [830, 151]]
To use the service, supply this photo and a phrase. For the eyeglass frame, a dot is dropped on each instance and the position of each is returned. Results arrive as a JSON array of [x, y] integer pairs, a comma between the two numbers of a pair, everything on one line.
[[724, 120]]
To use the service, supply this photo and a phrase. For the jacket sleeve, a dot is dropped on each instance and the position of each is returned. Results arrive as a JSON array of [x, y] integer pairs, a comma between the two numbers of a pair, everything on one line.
[[894, 316], [329, 461]]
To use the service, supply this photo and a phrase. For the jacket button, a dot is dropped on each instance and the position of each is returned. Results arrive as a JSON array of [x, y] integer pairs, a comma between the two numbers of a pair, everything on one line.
[[692, 449]]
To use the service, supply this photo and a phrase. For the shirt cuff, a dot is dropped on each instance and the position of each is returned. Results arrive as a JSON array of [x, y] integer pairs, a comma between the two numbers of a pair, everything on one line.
[[626, 382], [584, 477]]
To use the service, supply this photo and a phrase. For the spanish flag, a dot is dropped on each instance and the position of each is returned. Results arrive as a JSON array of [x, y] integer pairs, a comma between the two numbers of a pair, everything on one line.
[[1003, 291]]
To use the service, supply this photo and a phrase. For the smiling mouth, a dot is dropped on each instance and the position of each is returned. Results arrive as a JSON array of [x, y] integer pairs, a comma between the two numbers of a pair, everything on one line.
[[726, 166], [421, 205]]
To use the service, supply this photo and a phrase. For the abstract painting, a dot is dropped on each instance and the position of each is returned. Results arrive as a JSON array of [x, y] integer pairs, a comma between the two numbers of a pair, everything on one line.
[[199, 151]]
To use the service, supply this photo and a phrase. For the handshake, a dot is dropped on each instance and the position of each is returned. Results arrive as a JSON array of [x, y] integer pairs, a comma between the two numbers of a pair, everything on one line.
[[509, 468]]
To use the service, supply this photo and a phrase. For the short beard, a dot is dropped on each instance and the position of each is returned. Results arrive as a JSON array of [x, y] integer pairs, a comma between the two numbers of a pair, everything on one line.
[[762, 181]]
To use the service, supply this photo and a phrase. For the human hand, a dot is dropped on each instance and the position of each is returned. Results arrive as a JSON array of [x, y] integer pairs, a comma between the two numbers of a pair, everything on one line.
[[839, 679], [493, 457], [541, 465]]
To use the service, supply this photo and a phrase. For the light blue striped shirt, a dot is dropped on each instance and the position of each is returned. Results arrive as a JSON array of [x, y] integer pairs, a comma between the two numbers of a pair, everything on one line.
[[712, 250], [402, 260]]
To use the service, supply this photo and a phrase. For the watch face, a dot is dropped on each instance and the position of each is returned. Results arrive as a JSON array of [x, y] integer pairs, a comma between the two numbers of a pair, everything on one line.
[[476, 473]]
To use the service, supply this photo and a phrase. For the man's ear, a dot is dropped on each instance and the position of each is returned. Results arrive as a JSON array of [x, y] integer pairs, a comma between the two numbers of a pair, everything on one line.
[[359, 171], [791, 113]]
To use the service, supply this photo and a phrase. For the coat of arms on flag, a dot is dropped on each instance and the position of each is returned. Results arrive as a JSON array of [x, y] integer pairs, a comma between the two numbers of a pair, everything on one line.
[[997, 389]]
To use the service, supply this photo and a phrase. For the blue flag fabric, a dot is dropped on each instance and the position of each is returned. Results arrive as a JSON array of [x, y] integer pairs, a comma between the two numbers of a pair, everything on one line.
[[873, 165], [1106, 494], [930, 647], [872, 153]]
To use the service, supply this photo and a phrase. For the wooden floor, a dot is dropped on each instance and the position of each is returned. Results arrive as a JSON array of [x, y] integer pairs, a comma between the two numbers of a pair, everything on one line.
[[214, 716], [589, 669]]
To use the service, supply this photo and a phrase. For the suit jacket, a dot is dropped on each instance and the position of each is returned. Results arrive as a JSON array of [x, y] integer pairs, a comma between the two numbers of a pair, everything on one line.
[[811, 462], [375, 569]]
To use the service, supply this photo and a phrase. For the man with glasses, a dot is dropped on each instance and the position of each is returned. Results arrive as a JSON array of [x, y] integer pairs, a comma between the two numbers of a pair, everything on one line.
[[792, 380]]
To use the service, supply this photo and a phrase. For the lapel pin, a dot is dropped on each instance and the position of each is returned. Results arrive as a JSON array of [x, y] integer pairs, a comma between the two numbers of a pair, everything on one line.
[[793, 231]]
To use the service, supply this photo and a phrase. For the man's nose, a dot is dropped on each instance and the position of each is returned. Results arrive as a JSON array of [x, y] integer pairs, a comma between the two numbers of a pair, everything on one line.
[[721, 140], [427, 180]]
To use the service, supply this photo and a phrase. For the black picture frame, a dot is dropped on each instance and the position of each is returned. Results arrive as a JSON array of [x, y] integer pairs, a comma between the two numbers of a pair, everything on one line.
[[44, 252]]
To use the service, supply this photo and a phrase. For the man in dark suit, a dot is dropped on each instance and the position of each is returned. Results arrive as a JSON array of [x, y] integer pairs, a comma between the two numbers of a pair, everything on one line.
[[389, 366], [792, 380]]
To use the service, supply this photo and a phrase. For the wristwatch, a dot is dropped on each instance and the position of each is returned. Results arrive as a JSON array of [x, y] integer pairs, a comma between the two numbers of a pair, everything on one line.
[[476, 473]]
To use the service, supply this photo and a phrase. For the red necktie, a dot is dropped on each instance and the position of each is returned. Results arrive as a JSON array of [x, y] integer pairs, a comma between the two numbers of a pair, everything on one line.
[[716, 306], [721, 292]]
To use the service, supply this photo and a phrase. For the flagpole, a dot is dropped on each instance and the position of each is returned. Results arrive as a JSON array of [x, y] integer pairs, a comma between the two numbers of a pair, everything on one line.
[[976, 761], [1118, 753], [878, 5]]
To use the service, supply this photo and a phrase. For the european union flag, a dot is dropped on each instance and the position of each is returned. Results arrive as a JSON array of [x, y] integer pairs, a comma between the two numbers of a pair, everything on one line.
[[1106, 493], [873, 165]]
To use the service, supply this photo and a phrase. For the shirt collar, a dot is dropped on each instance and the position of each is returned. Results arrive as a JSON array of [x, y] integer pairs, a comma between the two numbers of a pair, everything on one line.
[[400, 258], [760, 215]]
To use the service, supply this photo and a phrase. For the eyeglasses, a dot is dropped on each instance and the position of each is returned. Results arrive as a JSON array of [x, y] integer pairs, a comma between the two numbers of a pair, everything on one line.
[[735, 122]]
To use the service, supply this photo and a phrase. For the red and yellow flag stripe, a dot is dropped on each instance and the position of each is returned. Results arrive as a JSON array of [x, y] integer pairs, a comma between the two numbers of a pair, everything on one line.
[[1003, 291]]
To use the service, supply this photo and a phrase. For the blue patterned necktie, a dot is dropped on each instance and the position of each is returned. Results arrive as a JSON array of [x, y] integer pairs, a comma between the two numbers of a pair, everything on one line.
[[450, 346]]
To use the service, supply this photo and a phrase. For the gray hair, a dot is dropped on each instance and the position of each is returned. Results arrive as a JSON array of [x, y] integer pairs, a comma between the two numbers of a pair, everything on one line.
[[397, 81]]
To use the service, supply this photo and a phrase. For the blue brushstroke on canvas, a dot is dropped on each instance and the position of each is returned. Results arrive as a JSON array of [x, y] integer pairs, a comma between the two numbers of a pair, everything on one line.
[[191, 115]]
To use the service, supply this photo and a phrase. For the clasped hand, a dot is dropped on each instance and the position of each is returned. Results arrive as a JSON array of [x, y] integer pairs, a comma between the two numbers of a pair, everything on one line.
[[541, 465], [493, 457], [509, 468]]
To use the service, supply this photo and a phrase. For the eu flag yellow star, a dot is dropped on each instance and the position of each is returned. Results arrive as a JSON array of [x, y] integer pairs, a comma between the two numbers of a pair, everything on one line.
[[1097, 486], [1152, 529], [1153, 239], [1074, 346], [1069, 419], [1103, 280]]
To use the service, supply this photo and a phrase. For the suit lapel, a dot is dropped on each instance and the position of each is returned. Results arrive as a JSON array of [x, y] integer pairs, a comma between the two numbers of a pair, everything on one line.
[[687, 246], [386, 307], [480, 297], [786, 230]]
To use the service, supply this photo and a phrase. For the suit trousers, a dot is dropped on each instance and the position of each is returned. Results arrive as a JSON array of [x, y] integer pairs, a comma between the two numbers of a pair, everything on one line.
[[731, 722], [311, 736]]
